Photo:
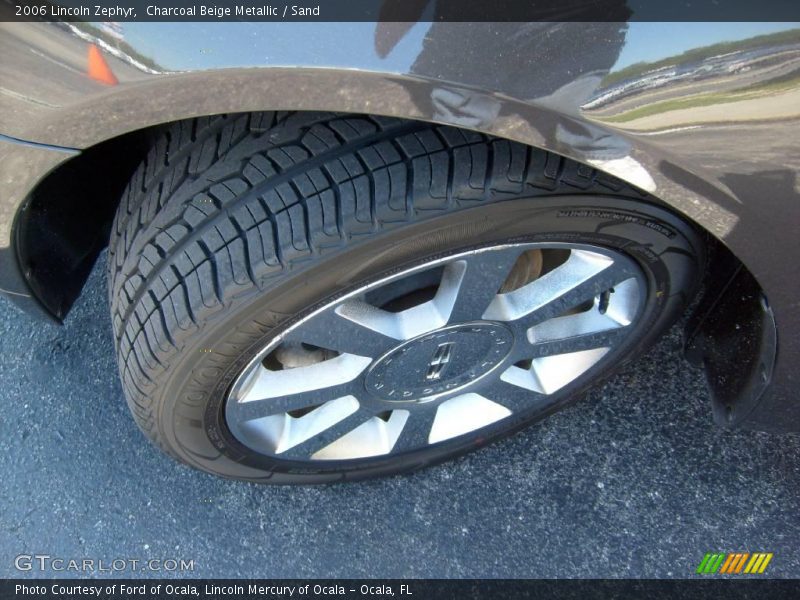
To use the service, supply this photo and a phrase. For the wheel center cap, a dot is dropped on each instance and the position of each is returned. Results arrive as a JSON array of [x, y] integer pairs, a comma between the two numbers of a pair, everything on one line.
[[439, 362]]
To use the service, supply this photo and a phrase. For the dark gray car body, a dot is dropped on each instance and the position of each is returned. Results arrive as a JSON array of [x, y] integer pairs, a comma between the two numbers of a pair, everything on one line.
[[704, 116]]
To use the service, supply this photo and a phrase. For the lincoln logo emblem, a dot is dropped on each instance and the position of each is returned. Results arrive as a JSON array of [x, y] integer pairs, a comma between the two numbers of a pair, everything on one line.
[[439, 361]]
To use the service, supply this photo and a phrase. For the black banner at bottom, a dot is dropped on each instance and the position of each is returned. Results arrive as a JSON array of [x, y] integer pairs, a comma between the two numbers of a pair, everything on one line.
[[410, 589]]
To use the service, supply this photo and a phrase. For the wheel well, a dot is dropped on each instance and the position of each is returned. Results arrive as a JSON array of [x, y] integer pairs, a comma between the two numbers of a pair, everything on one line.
[[66, 220]]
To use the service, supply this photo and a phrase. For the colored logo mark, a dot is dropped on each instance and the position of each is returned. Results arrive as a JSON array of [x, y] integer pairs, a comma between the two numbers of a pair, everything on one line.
[[734, 563]]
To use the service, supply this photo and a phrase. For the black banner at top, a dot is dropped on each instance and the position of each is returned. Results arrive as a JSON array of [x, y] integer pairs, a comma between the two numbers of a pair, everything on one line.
[[400, 10]]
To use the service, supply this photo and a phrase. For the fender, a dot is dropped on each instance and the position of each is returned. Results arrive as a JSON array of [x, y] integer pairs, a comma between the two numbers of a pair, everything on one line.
[[717, 150]]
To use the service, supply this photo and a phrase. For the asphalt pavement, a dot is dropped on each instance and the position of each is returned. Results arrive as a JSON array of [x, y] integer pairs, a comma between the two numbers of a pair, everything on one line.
[[633, 481]]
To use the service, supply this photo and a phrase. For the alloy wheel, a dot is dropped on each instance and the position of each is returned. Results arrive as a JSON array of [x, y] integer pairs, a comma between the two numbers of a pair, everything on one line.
[[437, 351]]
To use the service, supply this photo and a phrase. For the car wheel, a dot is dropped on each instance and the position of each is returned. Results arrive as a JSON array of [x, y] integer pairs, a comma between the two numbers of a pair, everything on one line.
[[308, 297]]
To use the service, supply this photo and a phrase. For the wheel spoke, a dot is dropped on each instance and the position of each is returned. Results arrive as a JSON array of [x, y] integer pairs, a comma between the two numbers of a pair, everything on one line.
[[470, 284], [416, 429], [248, 410], [548, 374], [514, 397], [572, 333], [584, 276], [577, 343], [265, 383], [307, 448], [346, 328]]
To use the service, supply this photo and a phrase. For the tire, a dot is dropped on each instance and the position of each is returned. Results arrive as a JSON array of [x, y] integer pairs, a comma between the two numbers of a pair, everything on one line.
[[236, 228]]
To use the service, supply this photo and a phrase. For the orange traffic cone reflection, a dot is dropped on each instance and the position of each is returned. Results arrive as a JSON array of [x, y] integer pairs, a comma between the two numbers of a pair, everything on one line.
[[98, 67]]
